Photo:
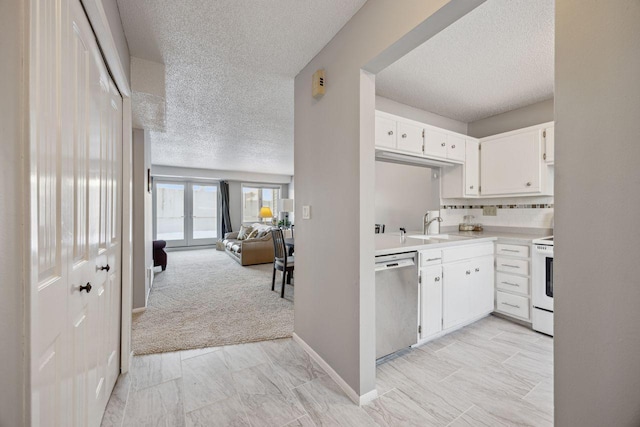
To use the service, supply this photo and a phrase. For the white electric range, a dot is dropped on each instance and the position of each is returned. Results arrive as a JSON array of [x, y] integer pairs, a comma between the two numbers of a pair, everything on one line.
[[542, 285]]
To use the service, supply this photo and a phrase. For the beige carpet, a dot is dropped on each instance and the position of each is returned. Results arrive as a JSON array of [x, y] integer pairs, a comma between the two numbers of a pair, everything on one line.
[[206, 299]]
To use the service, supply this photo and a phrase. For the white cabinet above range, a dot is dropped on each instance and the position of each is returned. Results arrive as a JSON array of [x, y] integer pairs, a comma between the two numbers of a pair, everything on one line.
[[513, 163]]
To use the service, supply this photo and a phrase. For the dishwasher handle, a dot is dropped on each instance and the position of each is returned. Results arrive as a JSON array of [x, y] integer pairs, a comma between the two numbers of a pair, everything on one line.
[[393, 264]]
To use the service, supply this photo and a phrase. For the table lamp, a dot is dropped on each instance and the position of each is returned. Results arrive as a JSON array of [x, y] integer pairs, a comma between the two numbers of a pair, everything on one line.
[[265, 212]]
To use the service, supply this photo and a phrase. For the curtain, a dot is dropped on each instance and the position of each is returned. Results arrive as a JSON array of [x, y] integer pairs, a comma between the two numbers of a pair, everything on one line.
[[225, 221]]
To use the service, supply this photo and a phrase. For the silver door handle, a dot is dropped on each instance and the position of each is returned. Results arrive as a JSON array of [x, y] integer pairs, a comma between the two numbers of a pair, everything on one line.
[[510, 284], [509, 250], [433, 259], [511, 305], [509, 265]]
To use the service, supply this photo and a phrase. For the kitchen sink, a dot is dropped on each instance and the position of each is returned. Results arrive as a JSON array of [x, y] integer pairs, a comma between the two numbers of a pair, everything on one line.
[[430, 236]]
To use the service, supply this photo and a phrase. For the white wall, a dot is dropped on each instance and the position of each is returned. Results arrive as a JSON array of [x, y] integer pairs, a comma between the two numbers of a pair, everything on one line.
[[334, 164], [404, 194], [534, 114], [597, 292], [142, 218], [12, 233], [393, 107]]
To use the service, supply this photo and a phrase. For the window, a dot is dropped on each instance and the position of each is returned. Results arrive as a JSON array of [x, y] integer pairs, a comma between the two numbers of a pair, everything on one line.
[[256, 196]]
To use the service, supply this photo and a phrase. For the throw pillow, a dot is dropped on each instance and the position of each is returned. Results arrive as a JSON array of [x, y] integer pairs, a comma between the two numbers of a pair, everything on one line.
[[252, 235], [244, 232]]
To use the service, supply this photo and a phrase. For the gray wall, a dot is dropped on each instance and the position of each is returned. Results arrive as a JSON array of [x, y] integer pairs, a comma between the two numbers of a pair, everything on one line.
[[393, 107], [142, 218], [403, 195], [519, 118], [597, 298], [334, 163], [12, 187]]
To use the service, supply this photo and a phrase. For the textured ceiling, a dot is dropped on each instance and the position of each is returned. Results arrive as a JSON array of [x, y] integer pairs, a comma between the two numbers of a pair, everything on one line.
[[497, 58], [230, 66]]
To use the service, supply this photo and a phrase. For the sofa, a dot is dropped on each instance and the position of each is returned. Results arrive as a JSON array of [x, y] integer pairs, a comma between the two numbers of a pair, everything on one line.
[[251, 251]]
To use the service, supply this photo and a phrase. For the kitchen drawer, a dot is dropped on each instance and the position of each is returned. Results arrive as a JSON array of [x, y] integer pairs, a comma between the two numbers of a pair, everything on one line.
[[513, 304], [512, 250], [512, 283], [430, 257], [511, 265], [466, 252]]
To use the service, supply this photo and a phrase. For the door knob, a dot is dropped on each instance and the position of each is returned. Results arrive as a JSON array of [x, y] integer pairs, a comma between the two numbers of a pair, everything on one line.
[[86, 287], [528, 184], [477, 270], [404, 135], [453, 146], [468, 272], [443, 144], [390, 132], [104, 268]]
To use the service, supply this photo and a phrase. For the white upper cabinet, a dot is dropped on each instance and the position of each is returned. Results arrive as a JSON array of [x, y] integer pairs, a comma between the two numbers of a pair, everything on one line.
[[549, 144], [456, 147], [472, 168], [435, 143], [385, 132], [409, 138], [511, 163], [463, 181]]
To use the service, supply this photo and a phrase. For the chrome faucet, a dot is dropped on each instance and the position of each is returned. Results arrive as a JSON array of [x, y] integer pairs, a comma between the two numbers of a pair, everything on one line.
[[426, 222]]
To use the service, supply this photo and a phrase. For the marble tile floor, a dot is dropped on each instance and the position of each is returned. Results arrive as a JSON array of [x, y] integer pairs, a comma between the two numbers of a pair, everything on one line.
[[491, 373]]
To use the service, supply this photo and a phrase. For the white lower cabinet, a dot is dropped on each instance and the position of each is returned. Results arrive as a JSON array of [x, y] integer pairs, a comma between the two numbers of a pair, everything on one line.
[[456, 294], [430, 301], [513, 280], [457, 291]]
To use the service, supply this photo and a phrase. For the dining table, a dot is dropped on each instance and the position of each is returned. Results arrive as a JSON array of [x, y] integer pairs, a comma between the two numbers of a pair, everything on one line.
[[290, 244]]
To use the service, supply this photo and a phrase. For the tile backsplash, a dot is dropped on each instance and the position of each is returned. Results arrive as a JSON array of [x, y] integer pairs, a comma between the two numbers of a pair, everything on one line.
[[535, 212]]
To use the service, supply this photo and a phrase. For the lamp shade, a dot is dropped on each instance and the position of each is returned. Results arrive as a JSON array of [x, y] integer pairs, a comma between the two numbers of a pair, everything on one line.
[[265, 212], [286, 205]]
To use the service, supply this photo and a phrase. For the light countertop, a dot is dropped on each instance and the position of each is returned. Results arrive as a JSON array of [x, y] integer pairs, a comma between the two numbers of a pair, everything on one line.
[[392, 243]]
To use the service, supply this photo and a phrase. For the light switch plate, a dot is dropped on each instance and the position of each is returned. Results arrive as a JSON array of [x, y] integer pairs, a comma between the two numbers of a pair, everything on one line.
[[306, 212], [490, 211]]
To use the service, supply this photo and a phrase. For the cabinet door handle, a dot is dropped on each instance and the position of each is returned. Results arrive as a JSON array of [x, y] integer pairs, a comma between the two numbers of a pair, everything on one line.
[[510, 284], [437, 279], [509, 265], [453, 146], [468, 272], [390, 132], [511, 305], [477, 270], [86, 287], [404, 135], [443, 144], [471, 187], [510, 250], [528, 184], [432, 259]]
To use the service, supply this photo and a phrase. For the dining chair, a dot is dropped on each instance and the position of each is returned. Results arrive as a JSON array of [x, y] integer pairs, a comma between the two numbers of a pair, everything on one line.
[[281, 261]]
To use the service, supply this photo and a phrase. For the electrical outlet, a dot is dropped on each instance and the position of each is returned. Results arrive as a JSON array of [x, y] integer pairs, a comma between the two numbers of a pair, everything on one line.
[[306, 212], [490, 211]]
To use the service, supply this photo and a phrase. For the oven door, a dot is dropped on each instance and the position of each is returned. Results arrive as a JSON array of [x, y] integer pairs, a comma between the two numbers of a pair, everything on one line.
[[542, 277]]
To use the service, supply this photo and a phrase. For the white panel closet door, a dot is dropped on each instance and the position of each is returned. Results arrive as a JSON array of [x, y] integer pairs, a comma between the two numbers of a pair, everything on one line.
[[76, 160]]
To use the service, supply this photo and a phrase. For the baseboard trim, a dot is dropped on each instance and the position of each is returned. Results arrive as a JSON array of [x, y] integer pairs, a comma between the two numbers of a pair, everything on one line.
[[138, 310], [351, 393]]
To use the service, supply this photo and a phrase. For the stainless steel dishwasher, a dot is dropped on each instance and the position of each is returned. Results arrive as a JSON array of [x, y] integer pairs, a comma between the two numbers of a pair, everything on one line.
[[396, 303]]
